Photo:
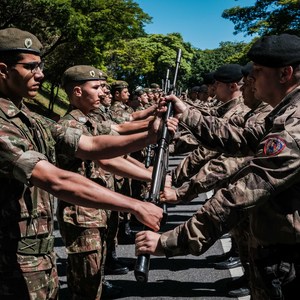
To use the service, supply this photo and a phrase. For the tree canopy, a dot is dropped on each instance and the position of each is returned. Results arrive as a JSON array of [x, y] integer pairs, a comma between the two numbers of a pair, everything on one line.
[[110, 35], [266, 17]]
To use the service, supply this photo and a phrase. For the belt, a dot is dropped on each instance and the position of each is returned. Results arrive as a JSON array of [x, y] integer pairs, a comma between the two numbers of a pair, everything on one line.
[[36, 246]]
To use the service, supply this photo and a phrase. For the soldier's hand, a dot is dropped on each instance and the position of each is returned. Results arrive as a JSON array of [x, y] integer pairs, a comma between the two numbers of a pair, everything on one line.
[[172, 124], [148, 242], [179, 105], [169, 195], [149, 214]]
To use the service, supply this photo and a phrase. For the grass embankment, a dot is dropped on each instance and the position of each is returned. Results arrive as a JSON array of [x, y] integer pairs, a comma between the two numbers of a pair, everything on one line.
[[40, 103]]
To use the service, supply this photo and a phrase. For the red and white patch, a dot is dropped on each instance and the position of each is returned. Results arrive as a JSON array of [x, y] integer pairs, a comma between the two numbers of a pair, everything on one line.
[[274, 146]]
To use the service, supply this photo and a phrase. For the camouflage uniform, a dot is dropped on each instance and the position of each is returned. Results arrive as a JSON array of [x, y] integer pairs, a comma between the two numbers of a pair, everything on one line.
[[106, 116], [27, 260], [83, 229], [121, 112], [209, 173], [215, 174], [265, 190], [232, 111]]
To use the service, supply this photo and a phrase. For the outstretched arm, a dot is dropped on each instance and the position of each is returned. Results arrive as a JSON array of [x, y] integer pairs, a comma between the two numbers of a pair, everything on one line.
[[78, 190], [132, 127], [123, 167]]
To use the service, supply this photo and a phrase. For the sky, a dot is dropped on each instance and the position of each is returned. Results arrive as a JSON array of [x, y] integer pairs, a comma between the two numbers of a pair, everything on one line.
[[199, 22]]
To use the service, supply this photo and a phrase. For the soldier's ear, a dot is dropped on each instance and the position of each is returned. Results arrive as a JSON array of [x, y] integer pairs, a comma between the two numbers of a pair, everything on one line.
[[77, 91], [3, 70], [286, 73]]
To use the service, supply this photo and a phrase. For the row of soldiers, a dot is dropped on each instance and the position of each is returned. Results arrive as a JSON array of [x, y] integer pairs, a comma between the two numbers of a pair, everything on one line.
[[246, 148], [74, 161], [204, 169]]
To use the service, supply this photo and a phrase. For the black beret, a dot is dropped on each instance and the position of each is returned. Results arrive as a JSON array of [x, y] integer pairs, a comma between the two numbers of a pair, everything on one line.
[[195, 89], [247, 69], [119, 85], [229, 73], [208, 78], [81, 73], [276, 51], [203, 88], [14, 39]]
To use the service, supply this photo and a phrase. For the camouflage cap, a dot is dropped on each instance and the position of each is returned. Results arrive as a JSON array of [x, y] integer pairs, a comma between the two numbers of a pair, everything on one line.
[[102, 75], [14, 39], [139, 91], [82, 73], [119, 85], [155, 86], [276, 51]]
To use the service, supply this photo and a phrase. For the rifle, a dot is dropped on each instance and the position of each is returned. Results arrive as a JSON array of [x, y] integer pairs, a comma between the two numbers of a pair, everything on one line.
[[160, 168], [149, 148]]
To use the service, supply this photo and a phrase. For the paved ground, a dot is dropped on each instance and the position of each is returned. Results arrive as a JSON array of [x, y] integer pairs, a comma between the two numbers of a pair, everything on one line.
[[184, 277]]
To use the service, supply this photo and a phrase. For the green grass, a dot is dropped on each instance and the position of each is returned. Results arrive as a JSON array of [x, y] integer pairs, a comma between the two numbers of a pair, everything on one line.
[[40, 104]]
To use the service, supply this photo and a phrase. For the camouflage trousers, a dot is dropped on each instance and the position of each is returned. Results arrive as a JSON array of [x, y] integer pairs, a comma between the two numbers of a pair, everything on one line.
[[39, 285], [86, 248]]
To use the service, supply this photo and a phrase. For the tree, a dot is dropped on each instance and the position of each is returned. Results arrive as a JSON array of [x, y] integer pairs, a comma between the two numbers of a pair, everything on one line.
[[146, 59], [266, 17], [205, 61], [74, 32]]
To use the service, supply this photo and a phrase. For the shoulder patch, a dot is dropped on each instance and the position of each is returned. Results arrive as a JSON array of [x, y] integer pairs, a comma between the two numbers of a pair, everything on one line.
[[274, 146]]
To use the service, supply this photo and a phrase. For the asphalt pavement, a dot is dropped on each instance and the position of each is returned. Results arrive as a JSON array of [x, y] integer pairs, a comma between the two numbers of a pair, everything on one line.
[[182, 277]]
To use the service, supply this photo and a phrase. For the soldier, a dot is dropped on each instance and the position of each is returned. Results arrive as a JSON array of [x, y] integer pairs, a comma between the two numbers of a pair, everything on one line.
[[122, 114], [193, 95], [84, 230], [30, 180], [228, 81], [215, 174], [150, 95], [209, 80], [157, 92], [139, 100], [120, 94], [265, 190]]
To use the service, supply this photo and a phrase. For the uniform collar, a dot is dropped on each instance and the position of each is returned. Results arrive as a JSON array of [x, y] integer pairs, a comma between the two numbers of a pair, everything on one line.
[[10, 109]]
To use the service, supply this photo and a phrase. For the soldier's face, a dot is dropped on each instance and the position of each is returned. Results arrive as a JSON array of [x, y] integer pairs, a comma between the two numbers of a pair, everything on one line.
[[222, 91], [24, 78], [124, 95], [91, 93], [266, 83], [144, 98], [248, 93], [106, 100]]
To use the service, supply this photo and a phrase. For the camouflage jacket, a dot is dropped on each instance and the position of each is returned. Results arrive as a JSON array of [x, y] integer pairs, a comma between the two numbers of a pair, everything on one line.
[[192, 164], [234, 114], [26, 212], [121, 112], [266, 189], [75, 214]]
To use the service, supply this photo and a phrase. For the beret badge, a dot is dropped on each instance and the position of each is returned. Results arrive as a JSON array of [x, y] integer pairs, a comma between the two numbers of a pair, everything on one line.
[[28, 43]]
